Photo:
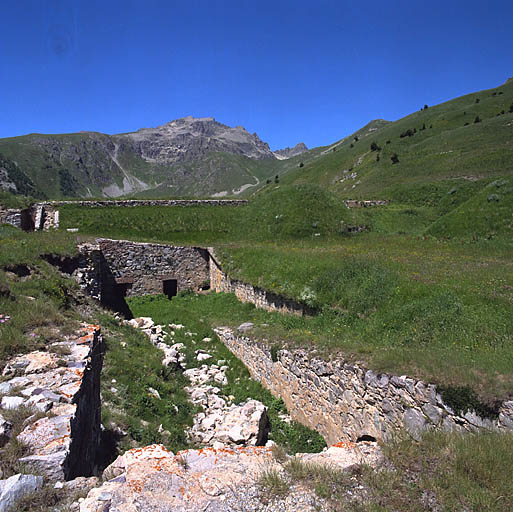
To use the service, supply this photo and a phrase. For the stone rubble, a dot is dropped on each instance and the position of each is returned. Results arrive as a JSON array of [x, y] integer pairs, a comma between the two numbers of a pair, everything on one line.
[[221, 423]]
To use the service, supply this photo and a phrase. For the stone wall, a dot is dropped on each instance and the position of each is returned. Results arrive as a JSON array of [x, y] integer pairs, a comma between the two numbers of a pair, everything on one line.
[[63, 384], [245, 292], [353, 203], [144, 267], [10, 216], [347, 402], [111, 270], [38, 217], [151, 202]]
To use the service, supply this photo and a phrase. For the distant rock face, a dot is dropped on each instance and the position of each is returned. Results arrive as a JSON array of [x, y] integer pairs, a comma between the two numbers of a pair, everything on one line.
[[191, 138], [188, 157], [283, 154]]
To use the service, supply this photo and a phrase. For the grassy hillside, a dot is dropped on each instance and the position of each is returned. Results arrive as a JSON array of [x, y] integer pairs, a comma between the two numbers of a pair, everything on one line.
[[406, 303], [438, 148], [488, 213], [283, 212]]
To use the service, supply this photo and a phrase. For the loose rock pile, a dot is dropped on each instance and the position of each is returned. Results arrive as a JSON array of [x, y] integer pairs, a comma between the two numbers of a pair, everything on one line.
[[221, 423]]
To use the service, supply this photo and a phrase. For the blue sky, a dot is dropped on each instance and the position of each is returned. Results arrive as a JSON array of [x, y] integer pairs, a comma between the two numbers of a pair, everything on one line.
[[311, 71]]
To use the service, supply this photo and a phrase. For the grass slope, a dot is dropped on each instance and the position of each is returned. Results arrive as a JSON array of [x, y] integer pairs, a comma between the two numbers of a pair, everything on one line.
[[445, 148]]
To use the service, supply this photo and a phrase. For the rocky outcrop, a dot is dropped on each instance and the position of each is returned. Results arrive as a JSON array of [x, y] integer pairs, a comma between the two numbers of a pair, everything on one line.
[[13, 489], [191, 138], [220, 480], [64, 385], [298, 149], [345, 401]]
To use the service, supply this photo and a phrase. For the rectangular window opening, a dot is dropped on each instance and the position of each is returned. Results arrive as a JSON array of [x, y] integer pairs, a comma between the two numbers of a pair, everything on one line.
[[170, 287]]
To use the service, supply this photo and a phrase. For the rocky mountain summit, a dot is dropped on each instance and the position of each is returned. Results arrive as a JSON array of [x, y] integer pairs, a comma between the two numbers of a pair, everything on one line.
[[189, 156], [191, 138], [298, 149]]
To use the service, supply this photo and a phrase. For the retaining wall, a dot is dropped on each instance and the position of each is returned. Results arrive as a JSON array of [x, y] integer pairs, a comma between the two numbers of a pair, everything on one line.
[[345, 401], [220, 282]]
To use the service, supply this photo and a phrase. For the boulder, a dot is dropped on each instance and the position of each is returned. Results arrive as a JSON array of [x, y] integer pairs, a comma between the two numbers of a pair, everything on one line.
[[5, 430], [246, 326], [12, 402], [15, 488]]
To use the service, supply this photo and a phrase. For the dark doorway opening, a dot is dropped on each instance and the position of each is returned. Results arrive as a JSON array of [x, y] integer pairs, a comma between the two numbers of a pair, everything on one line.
[[124, 288], [170, 287]]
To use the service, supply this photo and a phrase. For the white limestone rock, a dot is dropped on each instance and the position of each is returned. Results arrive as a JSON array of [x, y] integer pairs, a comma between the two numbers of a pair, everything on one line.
[[12, 402], [15, 488], [5, 430]]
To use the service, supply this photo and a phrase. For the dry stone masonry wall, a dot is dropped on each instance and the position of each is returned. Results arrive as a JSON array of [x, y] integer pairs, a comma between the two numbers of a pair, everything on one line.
[[220, 282], [45, 215], [146, 268], [347, 402], [152, 202], [64, 384], [40, 216]]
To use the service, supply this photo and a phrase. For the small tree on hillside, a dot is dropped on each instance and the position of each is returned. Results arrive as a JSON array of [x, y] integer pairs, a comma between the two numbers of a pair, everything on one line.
[[394, 158], [477, 120]]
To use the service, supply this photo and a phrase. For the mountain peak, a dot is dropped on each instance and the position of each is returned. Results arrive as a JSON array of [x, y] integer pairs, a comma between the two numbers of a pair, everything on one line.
[[190, 138], [283, 154]]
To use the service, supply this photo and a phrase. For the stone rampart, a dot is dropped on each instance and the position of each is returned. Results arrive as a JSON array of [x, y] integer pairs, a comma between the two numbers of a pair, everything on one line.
[[145, 268], [345, 401], [64, 385], [354, 203], [220, 282], [149, 202]]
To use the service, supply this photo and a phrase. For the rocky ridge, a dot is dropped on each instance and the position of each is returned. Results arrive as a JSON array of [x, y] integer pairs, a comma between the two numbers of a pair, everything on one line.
[[298, 149], [191, 138]]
